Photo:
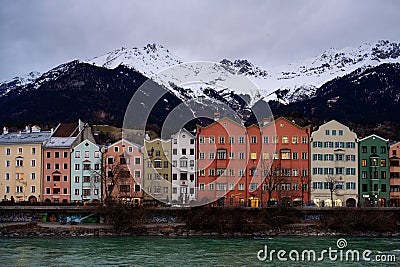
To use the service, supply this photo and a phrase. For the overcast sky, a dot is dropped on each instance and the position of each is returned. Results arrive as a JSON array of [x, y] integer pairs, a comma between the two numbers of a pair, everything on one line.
[[39, 35]]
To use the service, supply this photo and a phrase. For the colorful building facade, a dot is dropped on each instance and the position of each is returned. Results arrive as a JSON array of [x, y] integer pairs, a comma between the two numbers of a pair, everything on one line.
[[373, 171], [334, 165], [394, 168], [21, 164], [157, 168], [184, 174], [122, 172], [86, 172]]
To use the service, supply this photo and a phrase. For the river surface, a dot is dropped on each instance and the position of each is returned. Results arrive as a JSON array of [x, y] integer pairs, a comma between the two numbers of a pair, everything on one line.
[[196, 251]]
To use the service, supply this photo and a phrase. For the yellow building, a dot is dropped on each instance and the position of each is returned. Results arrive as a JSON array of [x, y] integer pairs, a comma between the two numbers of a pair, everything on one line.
[[21, 164], [157, 171]]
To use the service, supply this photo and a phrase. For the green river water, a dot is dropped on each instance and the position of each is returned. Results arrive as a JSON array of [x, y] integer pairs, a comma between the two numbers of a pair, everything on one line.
[[196, 251]]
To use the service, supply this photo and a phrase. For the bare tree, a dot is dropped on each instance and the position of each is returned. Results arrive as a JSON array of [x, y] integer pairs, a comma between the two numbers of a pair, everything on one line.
[[110, 174], [304, 181], [273, 177], [332, 186]]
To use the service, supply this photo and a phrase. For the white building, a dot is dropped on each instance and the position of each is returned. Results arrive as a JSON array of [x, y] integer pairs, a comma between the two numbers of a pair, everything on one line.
[[334, 164], [184, 176]]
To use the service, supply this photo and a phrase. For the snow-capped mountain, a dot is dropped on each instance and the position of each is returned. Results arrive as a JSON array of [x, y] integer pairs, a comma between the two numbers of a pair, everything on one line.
[[294, 81], [287, 84], [8, 86]]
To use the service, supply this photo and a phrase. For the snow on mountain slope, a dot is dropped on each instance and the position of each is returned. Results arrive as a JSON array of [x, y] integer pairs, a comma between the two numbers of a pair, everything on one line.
[[8, 86], [295, 81]]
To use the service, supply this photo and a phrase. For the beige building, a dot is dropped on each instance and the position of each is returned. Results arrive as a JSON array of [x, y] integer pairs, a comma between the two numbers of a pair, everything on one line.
[[334, 165], [157, 171], [21, 164]]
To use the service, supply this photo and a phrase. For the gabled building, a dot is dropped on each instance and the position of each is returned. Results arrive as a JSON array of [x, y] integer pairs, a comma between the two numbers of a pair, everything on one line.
[[222, 154], [122, 172], [21, 164], [334, 166], [394, 168], [57, 160], [373, 171], [157, 170], [285, 163], [86, 172], [183, 168]]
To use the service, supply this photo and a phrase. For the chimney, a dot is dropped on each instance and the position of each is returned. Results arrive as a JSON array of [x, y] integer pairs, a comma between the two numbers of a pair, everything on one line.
[[27, 129], [35, 129], [216, 116], [5, 130], [52, 131]]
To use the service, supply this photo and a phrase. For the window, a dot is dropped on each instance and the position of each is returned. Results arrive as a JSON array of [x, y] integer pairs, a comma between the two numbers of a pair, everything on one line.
[[241, 172], [201, 155], [7, 176], [33, 151], [275, 139], [211, 140], [86, 179], [183, 151], [221, 172], [137, 188], [231, 139], [191, 151], [221, 154], [48, 191], [350, 171], [364, 163], [165, 189], [174, 190], [364, 174], [77, 166], [241, 186], [97, 166], [87, 155], [137, 160], [7, 189], [221, 187], [304, 139], [211, 172], [201, 139], [157, 164], [285, 154], [364, 149], [19, 162], [333, 132], [56, 154], [317, 144], [373, 149], [383, 150], [183, 163], [212, 155], [86, 166], [65, 166], [383, 175], [20, 150], [221, 139], [166, 164], [339, 157], [350, 185], [191, 141], [65, 154], [48, 155], [8, 151], [253, 139], [326, 132], [340, 170], [48, 178], [340, 132], [33, 163], [383, 163], [285, 140], [137, 173], [77, 154], [265, 155], [253, 186], [295, 139], [241, 155], [57, 166], [295, 172], [253, 155], [231, 172], [97, 154], [76, 179], [56, 178], [33, 176], [265, 139], [116, 149], [125, 188], [304, 155], [8, 163], [241, 139], [202, 172], [19, 189]]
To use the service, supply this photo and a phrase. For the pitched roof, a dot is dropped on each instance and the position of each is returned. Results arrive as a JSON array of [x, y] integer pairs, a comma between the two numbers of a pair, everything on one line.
[[67, 130]]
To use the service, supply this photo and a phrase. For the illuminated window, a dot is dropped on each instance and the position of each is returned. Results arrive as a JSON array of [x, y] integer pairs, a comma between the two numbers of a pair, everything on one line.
[[285, 139], [253, 155]]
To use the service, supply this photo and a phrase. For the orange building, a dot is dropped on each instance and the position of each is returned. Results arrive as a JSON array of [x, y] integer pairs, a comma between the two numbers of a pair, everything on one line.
[[394, 168], [287, 180], [57, 160], [254, 166]]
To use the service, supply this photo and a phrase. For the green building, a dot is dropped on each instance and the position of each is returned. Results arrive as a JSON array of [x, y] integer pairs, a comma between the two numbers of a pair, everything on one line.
[[373, 171]]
